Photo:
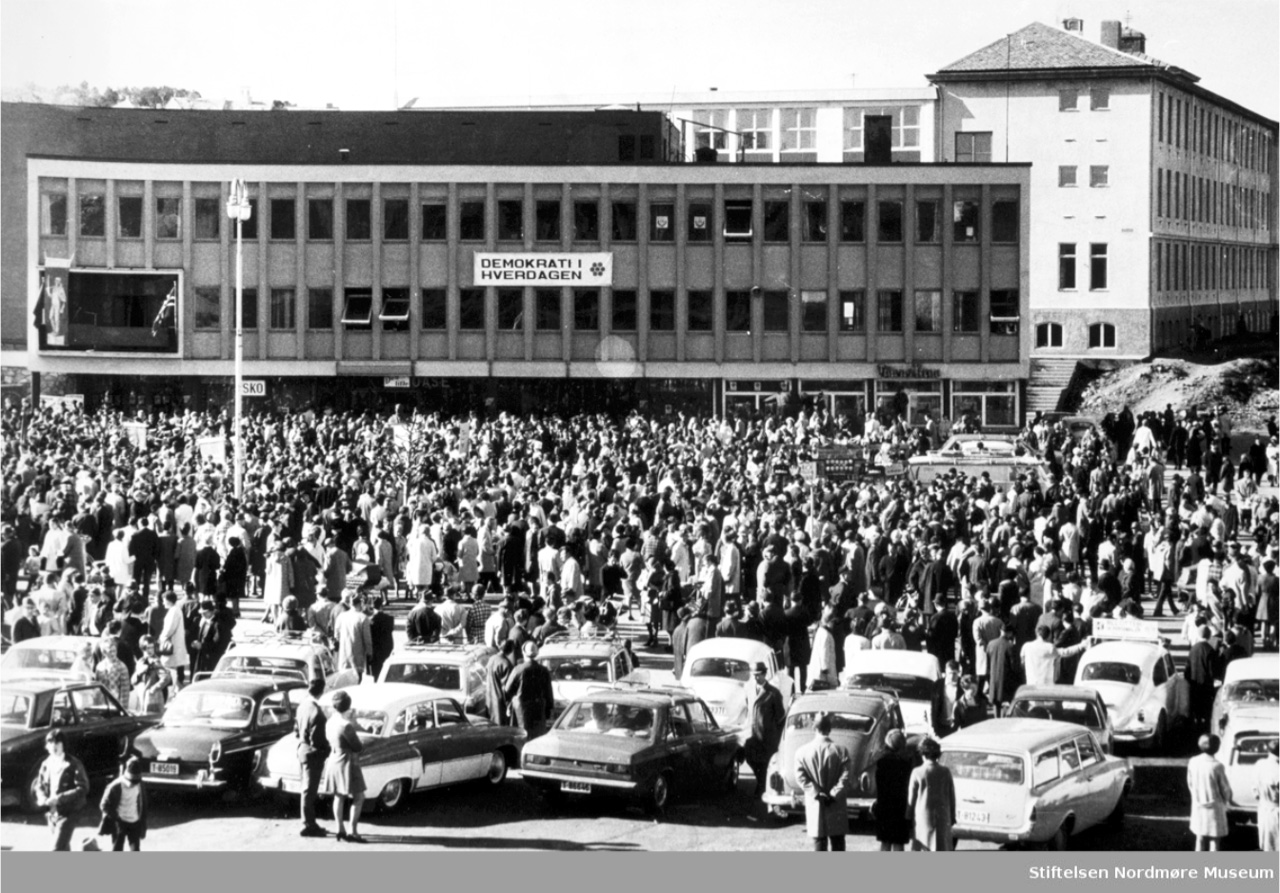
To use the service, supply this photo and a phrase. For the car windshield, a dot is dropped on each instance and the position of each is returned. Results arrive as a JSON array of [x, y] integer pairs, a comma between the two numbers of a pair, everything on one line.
[[980, 766], [1111, 671], [603, 718], [209, 708], [721, 667], [371, 722], [854, 723], [14, 709], [444, 676], [907, 688], [1254, 690], [37, 659], [1251, 748], [1082, 713], [263, 666], [577, 669]]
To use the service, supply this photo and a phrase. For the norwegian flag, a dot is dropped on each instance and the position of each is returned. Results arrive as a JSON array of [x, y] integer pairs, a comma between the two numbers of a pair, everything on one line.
[[168, 311]]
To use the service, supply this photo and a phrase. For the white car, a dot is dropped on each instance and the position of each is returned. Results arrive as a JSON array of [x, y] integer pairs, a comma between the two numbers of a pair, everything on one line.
[[1144, 693], [912, 676], [288, 655], [1033, 781], [44, 656], [579, 664], [1252, 682], [720, 671], [1249, 730], [456, 669]]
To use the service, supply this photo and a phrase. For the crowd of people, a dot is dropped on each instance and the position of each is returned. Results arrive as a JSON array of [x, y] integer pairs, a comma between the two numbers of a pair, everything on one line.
[[507, 529]]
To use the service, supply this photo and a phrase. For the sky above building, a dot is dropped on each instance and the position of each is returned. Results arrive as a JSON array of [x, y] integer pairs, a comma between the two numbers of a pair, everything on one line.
[[380, 54]]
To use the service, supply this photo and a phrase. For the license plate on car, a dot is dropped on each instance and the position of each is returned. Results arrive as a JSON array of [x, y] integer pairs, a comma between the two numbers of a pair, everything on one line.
[[575, 787], [164, 768], [970, 817]]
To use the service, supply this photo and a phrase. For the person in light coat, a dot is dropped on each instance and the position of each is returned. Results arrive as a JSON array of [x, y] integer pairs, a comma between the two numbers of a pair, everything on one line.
[[423, 554], [822, 659], [277, 582], [822, 769], [931, 801], [355, 638], [1210, 793], [119, 561], [173, 637]]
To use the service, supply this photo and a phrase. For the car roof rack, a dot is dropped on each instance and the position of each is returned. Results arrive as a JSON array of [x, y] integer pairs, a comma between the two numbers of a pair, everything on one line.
[[600, 635], [454, 647], [637, 687], [281, 637]]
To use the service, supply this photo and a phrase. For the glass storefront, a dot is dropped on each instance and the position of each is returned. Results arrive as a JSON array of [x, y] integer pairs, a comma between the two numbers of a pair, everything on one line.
[[913, 399], [994, 404]]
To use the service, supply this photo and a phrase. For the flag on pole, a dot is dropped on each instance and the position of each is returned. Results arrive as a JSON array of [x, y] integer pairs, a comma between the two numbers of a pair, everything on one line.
[[168, 311]]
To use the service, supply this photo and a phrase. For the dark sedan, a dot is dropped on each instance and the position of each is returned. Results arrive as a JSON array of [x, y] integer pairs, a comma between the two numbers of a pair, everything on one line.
[[644, 744], [97, 731], [213, 733]]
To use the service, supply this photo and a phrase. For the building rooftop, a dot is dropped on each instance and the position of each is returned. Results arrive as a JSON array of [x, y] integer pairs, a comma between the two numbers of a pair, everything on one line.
[[657, 101], [1041, 47]]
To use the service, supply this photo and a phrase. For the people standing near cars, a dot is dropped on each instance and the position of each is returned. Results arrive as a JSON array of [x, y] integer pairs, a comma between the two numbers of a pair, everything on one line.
[[893, 781], [822, 768], [342, 775], [495, 689], [62, 787], [768, 716], [528, 690], [382, 627], [313, 750], [355, 640], [1210, 794], [931, 801], [124, 809]]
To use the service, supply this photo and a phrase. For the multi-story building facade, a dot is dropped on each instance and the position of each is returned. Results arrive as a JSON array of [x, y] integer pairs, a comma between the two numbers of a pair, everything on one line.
[[1155, 198], [388, 262]]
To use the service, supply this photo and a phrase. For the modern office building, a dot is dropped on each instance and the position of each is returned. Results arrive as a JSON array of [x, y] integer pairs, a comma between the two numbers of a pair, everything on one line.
[[518, 261], [1155, 198]]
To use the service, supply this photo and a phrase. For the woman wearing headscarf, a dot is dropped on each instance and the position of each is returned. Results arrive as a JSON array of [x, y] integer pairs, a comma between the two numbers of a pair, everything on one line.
[[893, 779], [342, 776], [931, 801]]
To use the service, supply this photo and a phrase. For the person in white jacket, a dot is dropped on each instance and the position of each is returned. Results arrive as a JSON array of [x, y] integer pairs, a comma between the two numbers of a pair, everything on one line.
[[173, 637], [119, 561], [1040, 658]]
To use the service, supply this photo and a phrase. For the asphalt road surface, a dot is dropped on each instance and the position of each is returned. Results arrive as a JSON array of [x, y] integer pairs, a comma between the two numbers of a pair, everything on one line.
[[514, 816]]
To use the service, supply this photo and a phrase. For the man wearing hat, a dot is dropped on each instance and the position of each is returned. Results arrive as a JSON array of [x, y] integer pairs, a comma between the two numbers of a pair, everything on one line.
[[124, 809], [528, 690], [768, 715]]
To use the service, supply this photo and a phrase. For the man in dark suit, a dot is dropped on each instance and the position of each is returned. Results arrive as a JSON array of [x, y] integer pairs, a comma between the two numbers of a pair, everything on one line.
[[235, 573], [27, 626], [528, 690], [211, 640], [144, 546], [1203, 662], [936, 580], [1002, 669], [767, 719], [313, 749], [423, 623]]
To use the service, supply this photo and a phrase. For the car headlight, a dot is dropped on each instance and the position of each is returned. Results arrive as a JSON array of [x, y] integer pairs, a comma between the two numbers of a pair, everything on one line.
[[618, 769], [215, 752], [776, 784], [536, 760], [1141, 717]]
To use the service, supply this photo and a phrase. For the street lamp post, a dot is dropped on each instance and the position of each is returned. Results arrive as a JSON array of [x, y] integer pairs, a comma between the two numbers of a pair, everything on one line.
[[238, 210]]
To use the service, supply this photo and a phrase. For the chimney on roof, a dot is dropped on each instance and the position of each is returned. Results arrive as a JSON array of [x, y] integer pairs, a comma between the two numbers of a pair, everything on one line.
[[1110, 36], [1133, 41], [1073, 24]]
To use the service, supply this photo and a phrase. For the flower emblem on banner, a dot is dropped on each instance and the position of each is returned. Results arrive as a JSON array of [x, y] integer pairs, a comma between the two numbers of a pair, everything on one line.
[[597, 269]]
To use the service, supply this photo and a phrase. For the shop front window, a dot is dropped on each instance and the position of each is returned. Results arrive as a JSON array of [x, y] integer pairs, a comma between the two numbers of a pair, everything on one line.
[[993, 404], [916, 401]]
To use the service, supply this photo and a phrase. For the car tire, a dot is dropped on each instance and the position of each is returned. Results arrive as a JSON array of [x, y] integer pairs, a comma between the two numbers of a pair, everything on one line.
[[394, 794], [1061, 840], [729, 780], [659, 794], [1162, 733], [497, 771]]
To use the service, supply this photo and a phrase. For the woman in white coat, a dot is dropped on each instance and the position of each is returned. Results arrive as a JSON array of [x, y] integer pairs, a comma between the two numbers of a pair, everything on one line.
[[420, 567], [119, 561], [277, 582], [173, 637]]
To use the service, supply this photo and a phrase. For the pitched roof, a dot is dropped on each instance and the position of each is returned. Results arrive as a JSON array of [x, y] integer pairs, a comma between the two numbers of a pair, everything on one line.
[[1042, 47]]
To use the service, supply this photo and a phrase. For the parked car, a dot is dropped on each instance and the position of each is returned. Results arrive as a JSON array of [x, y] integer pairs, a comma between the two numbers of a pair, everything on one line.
[[1248, 682], [720, 672], [289, 655], [97, 731], [415, 738], [1065, 703], [44, 656], [644, 744], [913, 677], [1144, 693], [1033, 781], [1004, 457], [578, 664], [860, 720], [1249, 730], [213, 732], [458, 670]]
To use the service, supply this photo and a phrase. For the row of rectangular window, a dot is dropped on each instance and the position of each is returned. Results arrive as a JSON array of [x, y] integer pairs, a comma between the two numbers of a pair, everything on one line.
[[1182, 124], [738, 220], [358, 310], [1181, 196], [1192, 267], [1101, 335], [797, 128], [1099, 175], [1099, 99], [1067, 266]]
